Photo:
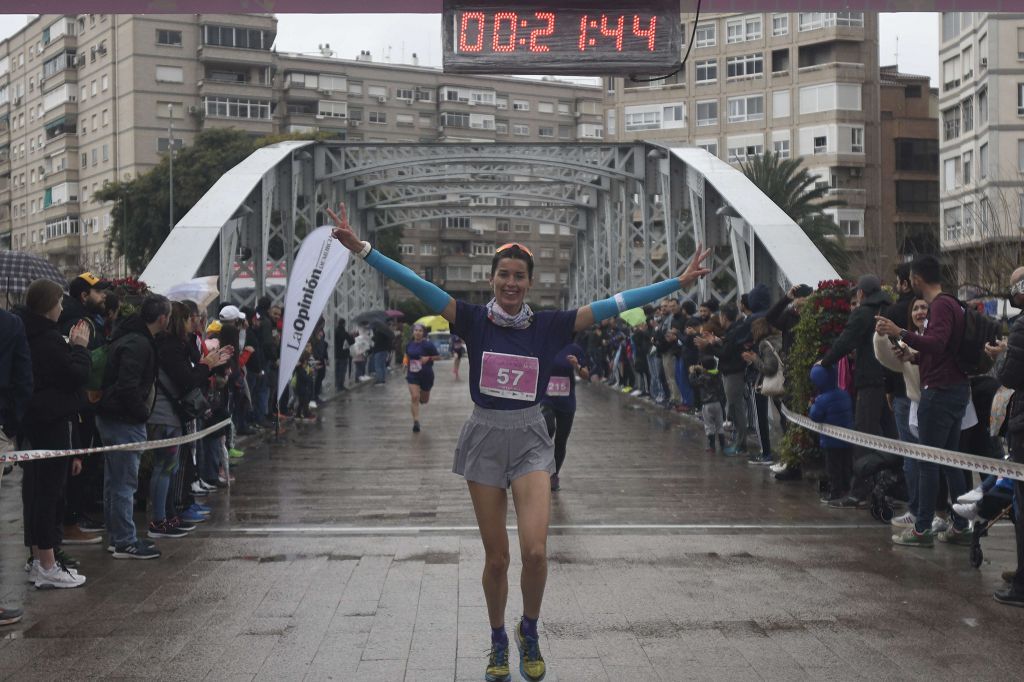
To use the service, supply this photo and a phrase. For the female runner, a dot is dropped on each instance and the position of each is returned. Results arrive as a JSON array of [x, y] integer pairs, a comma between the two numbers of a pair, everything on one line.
[[505, 442], [421, 355], [559, 404], [458, 350]]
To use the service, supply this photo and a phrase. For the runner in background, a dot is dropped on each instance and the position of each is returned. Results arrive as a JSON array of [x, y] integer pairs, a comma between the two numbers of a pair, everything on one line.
[[420, 355], [458, 350], [559, 404]]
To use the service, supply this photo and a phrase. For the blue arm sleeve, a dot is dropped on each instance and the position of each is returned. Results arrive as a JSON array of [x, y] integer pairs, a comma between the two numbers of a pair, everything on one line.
[[428, 292], [633, 298]]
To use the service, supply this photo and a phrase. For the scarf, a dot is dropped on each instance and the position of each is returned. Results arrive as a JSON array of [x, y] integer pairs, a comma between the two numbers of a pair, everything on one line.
[[521, 320]]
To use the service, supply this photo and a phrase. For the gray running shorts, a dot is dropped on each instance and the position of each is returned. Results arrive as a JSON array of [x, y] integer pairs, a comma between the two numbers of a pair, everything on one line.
[[498, 446]]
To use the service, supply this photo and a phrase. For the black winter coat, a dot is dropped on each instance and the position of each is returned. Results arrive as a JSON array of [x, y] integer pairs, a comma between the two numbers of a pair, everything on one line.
[[859, 336], [60, 371], [1011, 374], [129, 378]]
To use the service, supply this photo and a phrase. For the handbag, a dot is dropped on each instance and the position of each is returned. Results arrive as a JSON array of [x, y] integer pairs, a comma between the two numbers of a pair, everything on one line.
[[775, 385], [192, 405]]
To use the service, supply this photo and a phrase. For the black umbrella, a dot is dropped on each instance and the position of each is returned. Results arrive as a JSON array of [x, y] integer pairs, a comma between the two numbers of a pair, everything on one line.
[[371, 316], [18, 269]]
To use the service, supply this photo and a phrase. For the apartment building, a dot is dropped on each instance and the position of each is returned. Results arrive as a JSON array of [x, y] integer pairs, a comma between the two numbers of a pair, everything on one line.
[[909, 159], [800, 84], [95, 97], [981, 150]]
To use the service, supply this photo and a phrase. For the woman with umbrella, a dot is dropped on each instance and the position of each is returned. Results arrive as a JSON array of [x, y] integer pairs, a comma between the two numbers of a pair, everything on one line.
[[420, 355], [505, 443]]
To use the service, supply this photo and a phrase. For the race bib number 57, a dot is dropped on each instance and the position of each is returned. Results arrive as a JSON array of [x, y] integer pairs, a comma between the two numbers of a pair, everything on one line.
[[509, 376]]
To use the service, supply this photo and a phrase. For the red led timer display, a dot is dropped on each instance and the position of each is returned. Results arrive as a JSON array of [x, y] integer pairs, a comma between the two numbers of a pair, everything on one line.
[[583, 37]]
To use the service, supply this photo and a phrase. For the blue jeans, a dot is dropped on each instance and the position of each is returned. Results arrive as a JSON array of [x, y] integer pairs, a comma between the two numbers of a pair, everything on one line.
[[120, 479], [379, 363], [657, 389], [165, 464], [683, 382], [939, 416], [901, 411]]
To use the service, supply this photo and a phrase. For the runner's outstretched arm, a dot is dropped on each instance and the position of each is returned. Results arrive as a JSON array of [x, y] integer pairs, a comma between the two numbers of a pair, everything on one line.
[[434, 296], [600, 310]]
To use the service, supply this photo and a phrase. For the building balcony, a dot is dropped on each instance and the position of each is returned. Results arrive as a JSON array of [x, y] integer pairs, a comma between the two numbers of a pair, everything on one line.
[[59, 210], [848, 71], [66, 245], [54, 80], [5, 166], [60, 176], [64, 142], [298, 92], [260, 126], [234, 55], [68, 111], [66, 41], [212, 87]]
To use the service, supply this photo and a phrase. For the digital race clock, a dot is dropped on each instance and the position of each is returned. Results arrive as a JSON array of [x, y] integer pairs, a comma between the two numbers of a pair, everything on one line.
[[594, 37]]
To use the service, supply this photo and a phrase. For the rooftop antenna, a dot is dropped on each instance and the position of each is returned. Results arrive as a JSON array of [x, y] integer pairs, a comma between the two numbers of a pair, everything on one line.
[[897, 53]]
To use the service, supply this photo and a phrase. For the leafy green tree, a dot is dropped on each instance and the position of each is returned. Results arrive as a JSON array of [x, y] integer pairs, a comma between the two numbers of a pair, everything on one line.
[[792, 188], [139, 213]]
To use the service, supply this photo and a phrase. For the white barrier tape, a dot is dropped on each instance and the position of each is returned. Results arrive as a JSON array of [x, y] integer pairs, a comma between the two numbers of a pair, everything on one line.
[[927, 453], [30, 455]]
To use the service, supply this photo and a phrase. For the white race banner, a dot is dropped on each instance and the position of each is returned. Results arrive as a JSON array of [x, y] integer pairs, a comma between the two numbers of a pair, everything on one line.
[[314, 275]]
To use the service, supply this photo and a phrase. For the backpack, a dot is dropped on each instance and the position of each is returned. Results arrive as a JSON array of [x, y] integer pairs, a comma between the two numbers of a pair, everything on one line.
[[979, 329], [94, 387]]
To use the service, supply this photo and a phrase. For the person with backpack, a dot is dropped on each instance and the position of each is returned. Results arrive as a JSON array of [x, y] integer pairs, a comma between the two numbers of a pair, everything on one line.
[[945, 392], [129, 391]]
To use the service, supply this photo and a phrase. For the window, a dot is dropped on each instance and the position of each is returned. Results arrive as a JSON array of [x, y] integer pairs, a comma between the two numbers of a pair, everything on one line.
[[967, 113], [781, 147], [520, 105], [748, 108], [810, 21], [742, 29], [780, 24], [502, 226], [404, 94], [546, 107], [707, 113], [642, 118], [950, 174], [501, 102], [520, 129], [983, 161], [1020, 156], [245, 38], [170, 74], [917, 196], [820, 144], [673, 116], [355, 88], [983, 106], [857, 140], [737, 154], [163, 144], [967, 60], [850, 227], [501, 127], [745, 66], [780, 104], [564, 109], [106, 152], [706, 35], [105, 82], [707, 71], [709, 147], [1020, 99], [830, 97], [378, 117], [234, 107], [951, 123], [951, 222], [405, 120], [951, 73], [332, 108], [950, 25], [611, 121], [167, 37], [522, 228], [407, 249], [546, 131]]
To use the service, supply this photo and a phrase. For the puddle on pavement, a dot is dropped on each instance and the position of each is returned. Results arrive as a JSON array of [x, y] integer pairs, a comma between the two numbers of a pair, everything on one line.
[[280, 558]]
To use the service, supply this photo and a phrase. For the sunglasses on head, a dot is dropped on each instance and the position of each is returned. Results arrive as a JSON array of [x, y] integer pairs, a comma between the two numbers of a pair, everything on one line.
[[506, 247]]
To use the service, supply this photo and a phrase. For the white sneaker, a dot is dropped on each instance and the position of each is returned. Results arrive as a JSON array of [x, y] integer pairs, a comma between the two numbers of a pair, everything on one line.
[[635, 393], [33, 570], [198, 489], [967, 510], [58, 578], [206, 486], [906, 520], [971, 496], [939, 525], [312, 404], [778, 467]]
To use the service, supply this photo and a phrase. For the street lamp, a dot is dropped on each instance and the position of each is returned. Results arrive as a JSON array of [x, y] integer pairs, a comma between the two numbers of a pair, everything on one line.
[[170, 149]]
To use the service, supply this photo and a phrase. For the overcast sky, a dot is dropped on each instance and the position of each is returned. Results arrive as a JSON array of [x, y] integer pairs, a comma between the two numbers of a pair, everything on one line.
[[401, 35]]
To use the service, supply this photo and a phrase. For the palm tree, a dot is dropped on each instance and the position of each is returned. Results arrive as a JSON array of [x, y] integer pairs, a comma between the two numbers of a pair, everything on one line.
[[794, 190]]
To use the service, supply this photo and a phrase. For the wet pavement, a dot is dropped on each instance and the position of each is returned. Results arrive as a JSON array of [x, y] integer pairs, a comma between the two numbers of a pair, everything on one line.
[[347, 550]]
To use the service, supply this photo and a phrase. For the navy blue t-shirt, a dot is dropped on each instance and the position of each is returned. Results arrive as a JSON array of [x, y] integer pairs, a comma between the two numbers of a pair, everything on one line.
[[416, 350], [515, 363], [563, 377]]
